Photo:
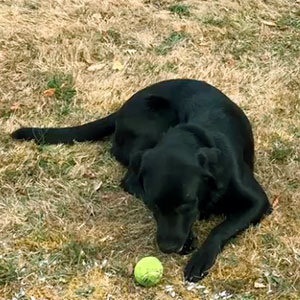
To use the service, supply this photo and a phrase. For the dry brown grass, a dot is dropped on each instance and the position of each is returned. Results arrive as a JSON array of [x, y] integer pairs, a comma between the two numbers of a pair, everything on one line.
[[67, 230]]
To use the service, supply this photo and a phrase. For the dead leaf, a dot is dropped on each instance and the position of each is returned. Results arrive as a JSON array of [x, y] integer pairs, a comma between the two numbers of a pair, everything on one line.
[[117, 65], [15, 106], [269, 23], [49, 92], [230, 62], [95, 67], [89, 174], [266, 57]]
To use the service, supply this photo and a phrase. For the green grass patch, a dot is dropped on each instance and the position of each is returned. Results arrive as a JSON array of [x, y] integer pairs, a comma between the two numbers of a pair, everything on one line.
[[180, 10], [77, 254], [8, 270], [281, 150], [290, 21], [64, 92], [170, 42], [287, 47], [294, 185], [170, 67], [63, 85], [114, 36], [55, 168], [58, 264]]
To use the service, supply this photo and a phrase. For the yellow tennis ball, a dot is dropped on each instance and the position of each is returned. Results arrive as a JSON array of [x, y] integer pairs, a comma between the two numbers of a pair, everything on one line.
[[148, 271]]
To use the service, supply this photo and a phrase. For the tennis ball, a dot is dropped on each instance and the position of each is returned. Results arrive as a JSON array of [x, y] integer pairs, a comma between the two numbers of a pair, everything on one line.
[[148, 271]]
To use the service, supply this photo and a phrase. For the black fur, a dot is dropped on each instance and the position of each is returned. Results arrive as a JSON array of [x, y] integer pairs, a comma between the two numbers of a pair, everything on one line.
[[189, 151]]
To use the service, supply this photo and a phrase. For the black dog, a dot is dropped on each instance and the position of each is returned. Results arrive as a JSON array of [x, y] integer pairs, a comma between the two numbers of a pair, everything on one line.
[[189, 152]]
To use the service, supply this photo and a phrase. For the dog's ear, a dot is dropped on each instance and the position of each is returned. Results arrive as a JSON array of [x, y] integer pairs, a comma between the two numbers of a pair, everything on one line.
[[209, 160]]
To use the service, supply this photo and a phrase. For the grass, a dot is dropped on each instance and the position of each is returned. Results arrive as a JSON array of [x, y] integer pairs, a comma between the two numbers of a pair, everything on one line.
[[281, 151], [216, 21], [62, 88], [289, 20], [67, 230], [180, 10], [8, 270], [169, 43]]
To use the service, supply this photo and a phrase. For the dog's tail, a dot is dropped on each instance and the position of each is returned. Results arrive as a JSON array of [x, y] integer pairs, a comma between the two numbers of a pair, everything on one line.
[[92, 131]]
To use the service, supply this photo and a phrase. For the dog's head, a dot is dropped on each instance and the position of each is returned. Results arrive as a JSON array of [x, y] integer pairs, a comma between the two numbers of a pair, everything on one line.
[[175, 184]]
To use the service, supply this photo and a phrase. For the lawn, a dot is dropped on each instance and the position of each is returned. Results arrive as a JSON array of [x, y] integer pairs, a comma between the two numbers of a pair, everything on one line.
[[67, 230]]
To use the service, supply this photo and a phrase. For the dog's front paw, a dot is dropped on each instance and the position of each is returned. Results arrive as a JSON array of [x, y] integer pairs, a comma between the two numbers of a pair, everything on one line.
[[199, 265]]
